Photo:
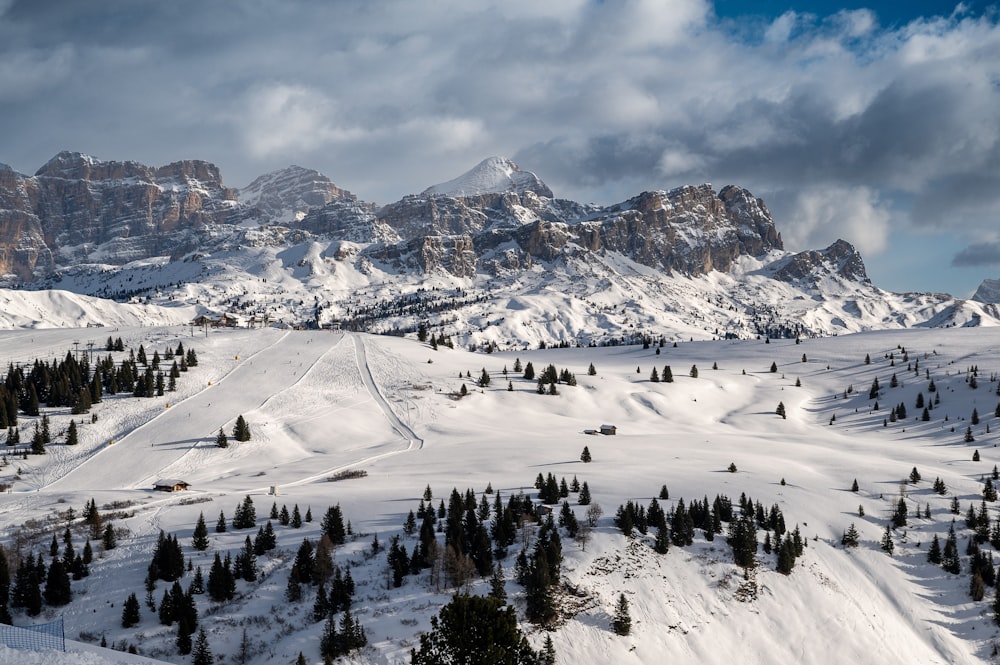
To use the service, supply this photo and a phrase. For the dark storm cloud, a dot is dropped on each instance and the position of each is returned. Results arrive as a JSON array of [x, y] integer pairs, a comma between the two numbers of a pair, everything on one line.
[[833, 121], [981, 254]]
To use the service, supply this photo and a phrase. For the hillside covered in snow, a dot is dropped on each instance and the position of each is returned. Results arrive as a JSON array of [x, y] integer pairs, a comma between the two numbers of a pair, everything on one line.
[[374, 424]]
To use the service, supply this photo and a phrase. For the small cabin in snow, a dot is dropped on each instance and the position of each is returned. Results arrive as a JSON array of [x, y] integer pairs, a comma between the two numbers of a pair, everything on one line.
[[609, 430], [170, 485]]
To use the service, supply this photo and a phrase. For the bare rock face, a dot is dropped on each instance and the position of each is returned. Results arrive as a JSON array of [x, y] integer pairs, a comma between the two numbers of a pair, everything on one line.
[[495, 218], [346, 219], [79, 209], [690, 230], [840, 259], [988, 291], [288, 195]]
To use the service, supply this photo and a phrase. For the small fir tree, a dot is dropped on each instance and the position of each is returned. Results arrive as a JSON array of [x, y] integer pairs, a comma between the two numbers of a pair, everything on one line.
[[621, 622], [130, 613], [200, 536], [241, 431]]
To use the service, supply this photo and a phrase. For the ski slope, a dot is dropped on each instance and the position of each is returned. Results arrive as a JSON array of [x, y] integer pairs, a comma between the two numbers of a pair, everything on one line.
[[322, 402]]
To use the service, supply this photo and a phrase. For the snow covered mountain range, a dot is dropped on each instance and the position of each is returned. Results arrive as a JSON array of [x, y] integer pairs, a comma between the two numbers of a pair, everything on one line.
[[491, 257]]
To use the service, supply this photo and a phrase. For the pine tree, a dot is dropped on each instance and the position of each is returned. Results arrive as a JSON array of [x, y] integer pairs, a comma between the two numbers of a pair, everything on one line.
[[498, 584], [591, 370], [694, 372], [220, 525], [473, 629], [781, 410], [584, 498], [621, 623], [221, 440], [108, 539], [130, 613], [851, 537], [71, 435], [57, 586], [183, 638], [241, 431], [934, 551], [200, 536], [774, 367], [585, 455], [668, 375], [854, 485], [37, 442], [887, 545], [950, 560]]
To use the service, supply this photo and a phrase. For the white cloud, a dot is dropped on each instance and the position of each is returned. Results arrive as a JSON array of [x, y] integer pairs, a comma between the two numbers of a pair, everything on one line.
[[599, 98], [820, 215], [780, 29], [281, 118]]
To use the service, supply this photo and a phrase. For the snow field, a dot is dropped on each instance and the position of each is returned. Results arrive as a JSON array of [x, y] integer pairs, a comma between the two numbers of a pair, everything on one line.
[[312, 413]]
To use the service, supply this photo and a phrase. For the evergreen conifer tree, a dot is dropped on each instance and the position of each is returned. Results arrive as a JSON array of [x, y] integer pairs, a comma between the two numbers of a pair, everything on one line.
[[585, 455], [934, 551], [220, 525], [221, 440], [887, 545], [621, 623], [474, 629], [200, 536], [241, 431], [851, 537], [130, 613], [57, 586]]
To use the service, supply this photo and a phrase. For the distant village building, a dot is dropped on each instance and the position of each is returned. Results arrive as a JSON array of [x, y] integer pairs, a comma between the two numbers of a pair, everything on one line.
[[609, 430], [170, 485], [224, 321]]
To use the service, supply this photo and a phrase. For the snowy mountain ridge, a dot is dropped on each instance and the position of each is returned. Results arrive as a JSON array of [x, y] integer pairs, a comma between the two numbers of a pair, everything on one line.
[[294, 247], [494, 175]]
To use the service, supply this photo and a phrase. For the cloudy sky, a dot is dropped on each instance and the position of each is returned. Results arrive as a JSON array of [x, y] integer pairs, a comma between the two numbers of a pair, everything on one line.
[[876, 122]]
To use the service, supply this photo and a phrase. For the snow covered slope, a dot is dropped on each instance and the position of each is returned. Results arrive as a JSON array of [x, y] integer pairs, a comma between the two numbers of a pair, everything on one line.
[[494, 175], [320, 402]]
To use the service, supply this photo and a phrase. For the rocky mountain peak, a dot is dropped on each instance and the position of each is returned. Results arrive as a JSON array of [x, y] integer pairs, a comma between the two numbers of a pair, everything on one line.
[[494, 175], [988, 291], [290, 193], [840, 259], [78, 166]]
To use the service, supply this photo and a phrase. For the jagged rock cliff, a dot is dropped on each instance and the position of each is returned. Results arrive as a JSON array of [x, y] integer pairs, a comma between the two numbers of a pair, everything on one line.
[[76, 209], [495, 219]]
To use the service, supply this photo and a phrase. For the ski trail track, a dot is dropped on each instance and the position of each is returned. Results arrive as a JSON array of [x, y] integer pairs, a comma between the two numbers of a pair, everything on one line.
[[406, 433], [139, 455]]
